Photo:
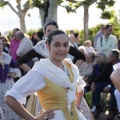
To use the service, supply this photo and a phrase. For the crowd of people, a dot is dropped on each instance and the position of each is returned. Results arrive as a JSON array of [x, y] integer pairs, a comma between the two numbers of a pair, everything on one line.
[[48, 74]]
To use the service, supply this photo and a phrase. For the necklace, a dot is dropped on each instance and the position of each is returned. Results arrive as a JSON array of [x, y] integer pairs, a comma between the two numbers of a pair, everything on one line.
[[65, 69]]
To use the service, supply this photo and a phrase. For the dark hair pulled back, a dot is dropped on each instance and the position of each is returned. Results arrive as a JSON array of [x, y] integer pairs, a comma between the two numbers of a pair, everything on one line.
[[52, 22], [54, 33]]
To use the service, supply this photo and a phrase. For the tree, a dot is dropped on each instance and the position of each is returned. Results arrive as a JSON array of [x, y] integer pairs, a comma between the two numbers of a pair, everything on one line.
[[19, 10], [47, 9], [73, 5]]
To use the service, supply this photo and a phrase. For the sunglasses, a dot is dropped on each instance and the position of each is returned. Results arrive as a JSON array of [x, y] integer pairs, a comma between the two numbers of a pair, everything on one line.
[[3, 40]]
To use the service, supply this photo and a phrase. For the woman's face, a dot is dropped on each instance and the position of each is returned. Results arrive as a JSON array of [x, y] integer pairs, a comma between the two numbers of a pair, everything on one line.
[[1, 46], [4, 41], [97, 59], [59, 47], [35, 36], [88, 44], [49, 28], [78, 38], [89, 58]]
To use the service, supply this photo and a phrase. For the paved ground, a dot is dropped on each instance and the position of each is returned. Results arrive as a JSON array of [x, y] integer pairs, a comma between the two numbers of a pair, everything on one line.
[[102, 116]]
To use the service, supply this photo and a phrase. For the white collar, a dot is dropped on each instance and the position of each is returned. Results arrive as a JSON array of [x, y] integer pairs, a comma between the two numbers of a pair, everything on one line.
[[58, 76]]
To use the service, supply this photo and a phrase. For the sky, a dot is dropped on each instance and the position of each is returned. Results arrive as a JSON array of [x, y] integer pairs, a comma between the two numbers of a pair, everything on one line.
[[9, 20]]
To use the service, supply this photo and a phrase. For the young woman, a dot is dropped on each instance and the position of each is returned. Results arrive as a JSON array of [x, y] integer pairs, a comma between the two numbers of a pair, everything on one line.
[[54, 79], [6, 81], [6, 43], [40, 51], [36, 37]]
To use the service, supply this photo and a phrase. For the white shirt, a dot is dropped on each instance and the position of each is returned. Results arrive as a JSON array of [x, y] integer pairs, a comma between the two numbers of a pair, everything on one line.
[[89, 49], [24, 86], [107, 45]]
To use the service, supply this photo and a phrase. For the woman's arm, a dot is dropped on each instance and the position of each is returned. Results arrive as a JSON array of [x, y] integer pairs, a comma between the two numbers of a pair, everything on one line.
[[16, 96], [22, 112], [18, 108], [25, 67], [21, 62], [79, 98]]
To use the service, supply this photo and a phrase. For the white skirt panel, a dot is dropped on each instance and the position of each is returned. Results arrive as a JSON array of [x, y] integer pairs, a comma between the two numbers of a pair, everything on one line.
[[60, 116]]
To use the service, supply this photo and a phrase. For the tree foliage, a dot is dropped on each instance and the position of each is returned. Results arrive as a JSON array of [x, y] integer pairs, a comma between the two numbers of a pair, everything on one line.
[[20, 10], [47, 9], [2, 4], [73, 5]]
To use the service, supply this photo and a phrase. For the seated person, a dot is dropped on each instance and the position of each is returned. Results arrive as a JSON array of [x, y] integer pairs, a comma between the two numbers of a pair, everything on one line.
[[86, 68], [102, 83], [88, 46], [82, 50], [100, 63]]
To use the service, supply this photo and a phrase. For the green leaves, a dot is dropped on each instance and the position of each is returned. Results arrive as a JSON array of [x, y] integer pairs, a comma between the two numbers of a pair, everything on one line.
[[38, 3], [2, 4], [107, 14], [71, 5], [103, 4]]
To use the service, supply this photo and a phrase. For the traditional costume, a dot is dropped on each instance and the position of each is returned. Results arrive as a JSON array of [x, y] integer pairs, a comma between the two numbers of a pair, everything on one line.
[[56, 89], [6, 83]]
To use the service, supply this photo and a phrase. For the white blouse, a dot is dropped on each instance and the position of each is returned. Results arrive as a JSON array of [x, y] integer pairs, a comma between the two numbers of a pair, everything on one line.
[[32, 82], [26, 85]]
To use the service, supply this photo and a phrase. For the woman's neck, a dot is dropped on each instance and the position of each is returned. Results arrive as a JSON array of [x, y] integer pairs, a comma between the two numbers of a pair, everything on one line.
[[57, 63]]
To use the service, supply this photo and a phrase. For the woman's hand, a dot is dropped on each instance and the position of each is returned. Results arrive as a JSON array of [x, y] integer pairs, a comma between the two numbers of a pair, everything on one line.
[[45, 115], [78, 107]]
